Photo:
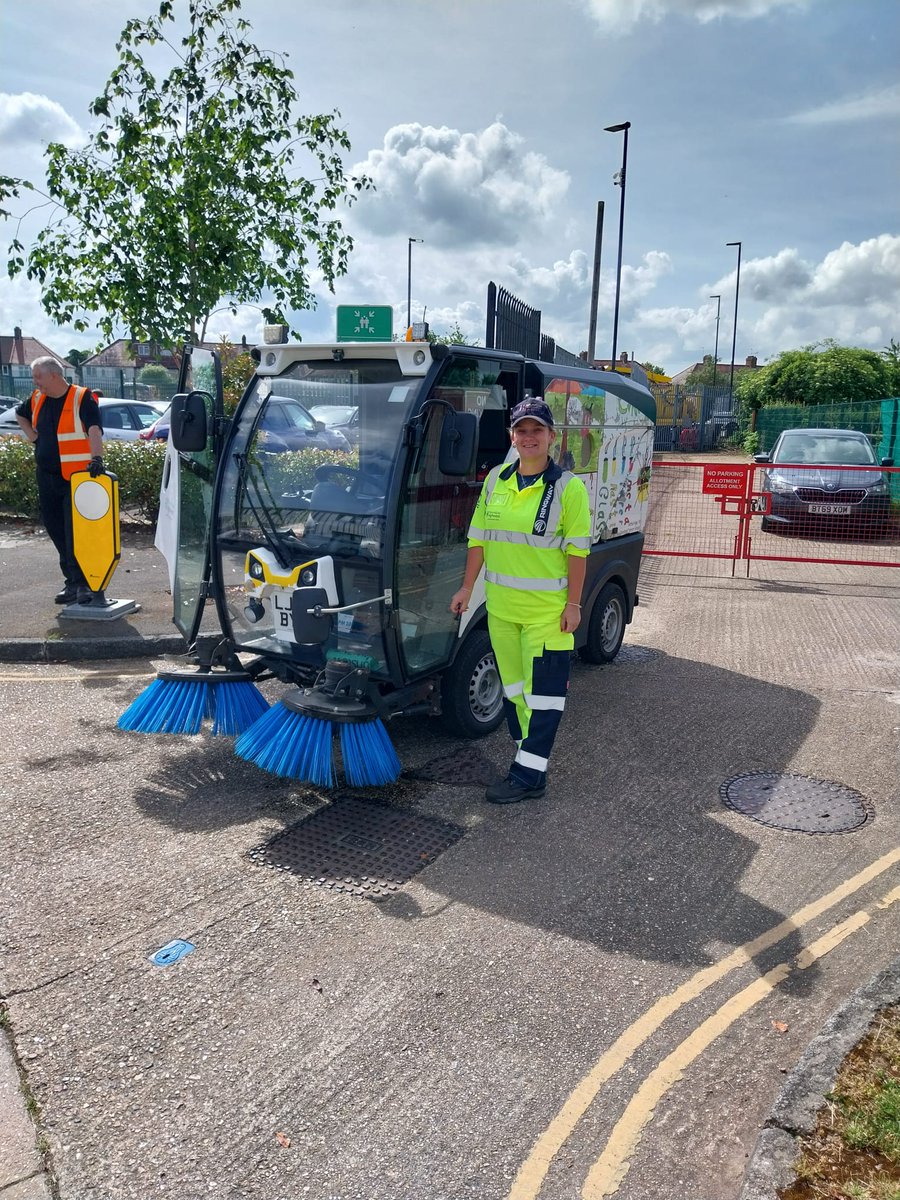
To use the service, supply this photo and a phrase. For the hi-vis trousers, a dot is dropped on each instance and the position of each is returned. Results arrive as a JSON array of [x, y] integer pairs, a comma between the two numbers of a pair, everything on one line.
[[533, 661]]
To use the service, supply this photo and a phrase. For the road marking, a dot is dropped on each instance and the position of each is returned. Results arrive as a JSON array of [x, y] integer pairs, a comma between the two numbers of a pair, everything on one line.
[[531, 1174], [612, 1166]]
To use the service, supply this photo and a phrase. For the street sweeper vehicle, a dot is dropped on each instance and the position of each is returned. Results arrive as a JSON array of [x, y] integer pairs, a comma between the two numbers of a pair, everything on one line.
[[332, 568]]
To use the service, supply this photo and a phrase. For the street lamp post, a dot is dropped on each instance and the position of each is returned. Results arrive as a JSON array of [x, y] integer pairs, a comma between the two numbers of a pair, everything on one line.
[[623, 128], [409, 243], [737, 289], [716, 354]]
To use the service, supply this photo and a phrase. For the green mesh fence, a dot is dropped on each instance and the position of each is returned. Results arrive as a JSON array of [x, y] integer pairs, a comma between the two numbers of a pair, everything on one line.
[[867, 418], [889, 447]]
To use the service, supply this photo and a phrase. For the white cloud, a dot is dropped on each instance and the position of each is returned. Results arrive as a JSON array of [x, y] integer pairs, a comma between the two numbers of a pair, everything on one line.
[[463, 188], [876, 104], [619, 16], [29, 120]]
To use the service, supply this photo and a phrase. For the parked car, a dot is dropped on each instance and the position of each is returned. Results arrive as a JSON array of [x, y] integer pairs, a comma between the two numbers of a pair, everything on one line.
[[287, 425], [159, 430], [7, 402], [341, 417], [122, 420], [813, 485]]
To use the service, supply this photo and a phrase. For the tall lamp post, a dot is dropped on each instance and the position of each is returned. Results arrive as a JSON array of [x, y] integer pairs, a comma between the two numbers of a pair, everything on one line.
[[623, 128], [737, 290], [716, 354], [409, 242]]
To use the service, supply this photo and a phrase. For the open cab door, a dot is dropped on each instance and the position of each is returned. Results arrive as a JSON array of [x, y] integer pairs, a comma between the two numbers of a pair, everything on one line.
[[186, 500]]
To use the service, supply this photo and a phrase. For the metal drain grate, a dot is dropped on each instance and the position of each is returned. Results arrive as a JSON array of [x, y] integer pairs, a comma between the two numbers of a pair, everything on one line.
[[796, 802], [463, 767], [358, 846]]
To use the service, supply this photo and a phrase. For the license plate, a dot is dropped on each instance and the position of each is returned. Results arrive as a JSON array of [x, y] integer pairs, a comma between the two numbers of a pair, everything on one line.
[[834, 510], [281, 614]]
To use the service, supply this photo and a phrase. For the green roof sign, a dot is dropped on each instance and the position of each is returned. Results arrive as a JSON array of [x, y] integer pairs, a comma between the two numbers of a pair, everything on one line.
[[365, 323]]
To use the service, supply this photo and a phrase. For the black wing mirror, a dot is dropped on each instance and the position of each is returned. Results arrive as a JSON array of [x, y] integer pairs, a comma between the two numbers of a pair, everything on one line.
[[459, 435], [887, 462], [762, 458], [188, 421]]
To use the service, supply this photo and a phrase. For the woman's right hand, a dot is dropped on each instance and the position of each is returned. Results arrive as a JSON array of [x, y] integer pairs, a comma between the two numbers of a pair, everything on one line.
[[460, 601]]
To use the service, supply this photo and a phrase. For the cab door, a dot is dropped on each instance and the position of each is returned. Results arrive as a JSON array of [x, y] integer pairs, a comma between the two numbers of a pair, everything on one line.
[[201, 371]]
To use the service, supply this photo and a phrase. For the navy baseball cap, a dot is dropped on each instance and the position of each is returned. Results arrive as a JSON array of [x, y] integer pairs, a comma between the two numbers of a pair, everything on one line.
[[534, 408]]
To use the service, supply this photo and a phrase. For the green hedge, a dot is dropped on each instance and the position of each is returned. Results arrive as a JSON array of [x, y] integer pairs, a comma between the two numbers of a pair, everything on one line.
[[137, 465]]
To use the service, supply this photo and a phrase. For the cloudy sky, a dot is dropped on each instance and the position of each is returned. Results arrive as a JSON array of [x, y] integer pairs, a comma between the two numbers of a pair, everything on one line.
[[775, 123]]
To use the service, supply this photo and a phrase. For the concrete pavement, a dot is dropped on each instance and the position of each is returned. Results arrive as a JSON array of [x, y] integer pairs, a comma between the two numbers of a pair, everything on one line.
[[398, 1032]]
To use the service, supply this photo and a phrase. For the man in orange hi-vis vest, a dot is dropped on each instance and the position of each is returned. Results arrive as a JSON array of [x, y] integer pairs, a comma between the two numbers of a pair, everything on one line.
[[63, 424]]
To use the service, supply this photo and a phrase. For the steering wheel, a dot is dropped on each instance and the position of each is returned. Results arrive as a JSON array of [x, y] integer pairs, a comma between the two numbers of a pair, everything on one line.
[[325, 472]]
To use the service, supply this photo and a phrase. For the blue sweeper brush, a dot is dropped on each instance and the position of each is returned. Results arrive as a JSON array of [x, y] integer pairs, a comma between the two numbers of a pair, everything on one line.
[[295, 738], [180, 701]]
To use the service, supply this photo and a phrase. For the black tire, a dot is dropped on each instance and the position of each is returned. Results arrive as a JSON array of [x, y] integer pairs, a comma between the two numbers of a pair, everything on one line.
[[766, 525], [606, 626], [471, 691]]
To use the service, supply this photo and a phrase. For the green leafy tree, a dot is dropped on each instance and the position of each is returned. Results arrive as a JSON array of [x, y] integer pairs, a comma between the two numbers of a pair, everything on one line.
[[192, 192], [454, 337], [76, 357], [706, 375], [652, 368], [155, 376], [820, 374]]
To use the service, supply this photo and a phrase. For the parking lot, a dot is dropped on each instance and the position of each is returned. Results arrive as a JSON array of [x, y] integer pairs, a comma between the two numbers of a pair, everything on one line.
[[595, 994]]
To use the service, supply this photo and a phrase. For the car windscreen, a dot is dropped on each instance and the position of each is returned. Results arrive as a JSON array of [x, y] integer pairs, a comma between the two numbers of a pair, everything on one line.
[[825, 450], [325, 497]]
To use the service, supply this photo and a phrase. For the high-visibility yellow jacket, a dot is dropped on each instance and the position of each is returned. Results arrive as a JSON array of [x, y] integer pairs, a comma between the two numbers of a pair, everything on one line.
[[527, 537], [74, 445]]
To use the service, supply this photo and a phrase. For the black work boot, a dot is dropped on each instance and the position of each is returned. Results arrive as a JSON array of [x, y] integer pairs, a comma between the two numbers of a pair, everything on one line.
[[67, 596], [511, 791]]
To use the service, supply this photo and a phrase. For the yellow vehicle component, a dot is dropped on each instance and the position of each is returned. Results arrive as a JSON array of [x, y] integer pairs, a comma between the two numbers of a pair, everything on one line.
[[262, 571]]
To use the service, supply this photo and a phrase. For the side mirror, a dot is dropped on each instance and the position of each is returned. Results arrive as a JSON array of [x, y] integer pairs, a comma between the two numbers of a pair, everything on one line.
[[762, 458], [188, 421], [320, 426], [887, 462], [459, 436], [309, 629]]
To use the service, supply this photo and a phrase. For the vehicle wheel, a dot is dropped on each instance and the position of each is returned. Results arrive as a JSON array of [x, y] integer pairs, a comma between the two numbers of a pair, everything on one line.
[[606, 626], [766, 525], [471, 691]]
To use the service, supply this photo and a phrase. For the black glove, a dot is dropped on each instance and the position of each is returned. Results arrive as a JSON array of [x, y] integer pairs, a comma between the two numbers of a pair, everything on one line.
[[96, 467]]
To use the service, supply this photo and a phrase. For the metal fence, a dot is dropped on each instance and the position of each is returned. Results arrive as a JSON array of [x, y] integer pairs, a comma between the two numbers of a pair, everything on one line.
[[693, 419], [109, 381], [731, 511]]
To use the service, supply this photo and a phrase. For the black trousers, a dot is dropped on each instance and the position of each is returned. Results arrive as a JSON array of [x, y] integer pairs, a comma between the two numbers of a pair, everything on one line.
[[55, 498]]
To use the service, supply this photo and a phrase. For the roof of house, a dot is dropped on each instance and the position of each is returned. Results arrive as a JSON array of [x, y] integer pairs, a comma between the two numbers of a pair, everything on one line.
[[22, 351], [722, 368]]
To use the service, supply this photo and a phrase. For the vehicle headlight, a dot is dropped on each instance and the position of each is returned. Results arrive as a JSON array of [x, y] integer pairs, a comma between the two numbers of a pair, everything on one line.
[[255, 568], [308, 576], [778, 483], [881, 488]]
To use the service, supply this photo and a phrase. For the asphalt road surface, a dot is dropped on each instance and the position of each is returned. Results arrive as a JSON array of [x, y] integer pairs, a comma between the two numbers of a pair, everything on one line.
[[596, 994]]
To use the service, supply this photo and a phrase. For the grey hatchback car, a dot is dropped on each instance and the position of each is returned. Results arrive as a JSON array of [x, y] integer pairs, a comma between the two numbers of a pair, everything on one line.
[[818, 481]]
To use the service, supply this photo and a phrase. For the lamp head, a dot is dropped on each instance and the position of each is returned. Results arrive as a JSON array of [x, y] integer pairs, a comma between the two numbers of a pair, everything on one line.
[[617, 128]]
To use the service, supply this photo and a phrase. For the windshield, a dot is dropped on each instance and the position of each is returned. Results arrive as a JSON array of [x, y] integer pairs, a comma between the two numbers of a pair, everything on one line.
[[825, 450], [295, 478]]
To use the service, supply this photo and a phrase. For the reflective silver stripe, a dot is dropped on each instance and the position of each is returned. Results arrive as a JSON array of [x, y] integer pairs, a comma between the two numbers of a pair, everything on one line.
[[75, 458], [491, 482], [527, 584], [514, 689], [531, 760], [545, 702], [538, 541], [580, 543], [71, 437], [481, 535]]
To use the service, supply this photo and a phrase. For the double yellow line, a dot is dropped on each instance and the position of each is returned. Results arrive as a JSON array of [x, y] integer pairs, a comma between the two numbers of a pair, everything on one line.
[[610, 1168]]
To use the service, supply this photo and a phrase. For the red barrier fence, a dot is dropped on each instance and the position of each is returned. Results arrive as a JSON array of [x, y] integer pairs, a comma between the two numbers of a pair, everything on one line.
[[797, 513]]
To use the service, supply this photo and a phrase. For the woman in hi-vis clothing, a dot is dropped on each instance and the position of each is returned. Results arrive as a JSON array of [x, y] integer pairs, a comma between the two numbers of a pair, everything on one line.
[[531, 532]]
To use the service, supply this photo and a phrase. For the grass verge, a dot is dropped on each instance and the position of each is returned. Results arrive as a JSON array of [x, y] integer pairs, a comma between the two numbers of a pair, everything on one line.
[[854, 1153]]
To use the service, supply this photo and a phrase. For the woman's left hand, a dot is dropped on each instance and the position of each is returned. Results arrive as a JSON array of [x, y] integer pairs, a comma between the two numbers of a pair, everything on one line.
[[571, 618]]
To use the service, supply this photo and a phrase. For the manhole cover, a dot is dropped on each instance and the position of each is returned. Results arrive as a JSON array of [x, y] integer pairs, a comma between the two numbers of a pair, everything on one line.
[[796, 802], [463, 767], [357, 846]]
